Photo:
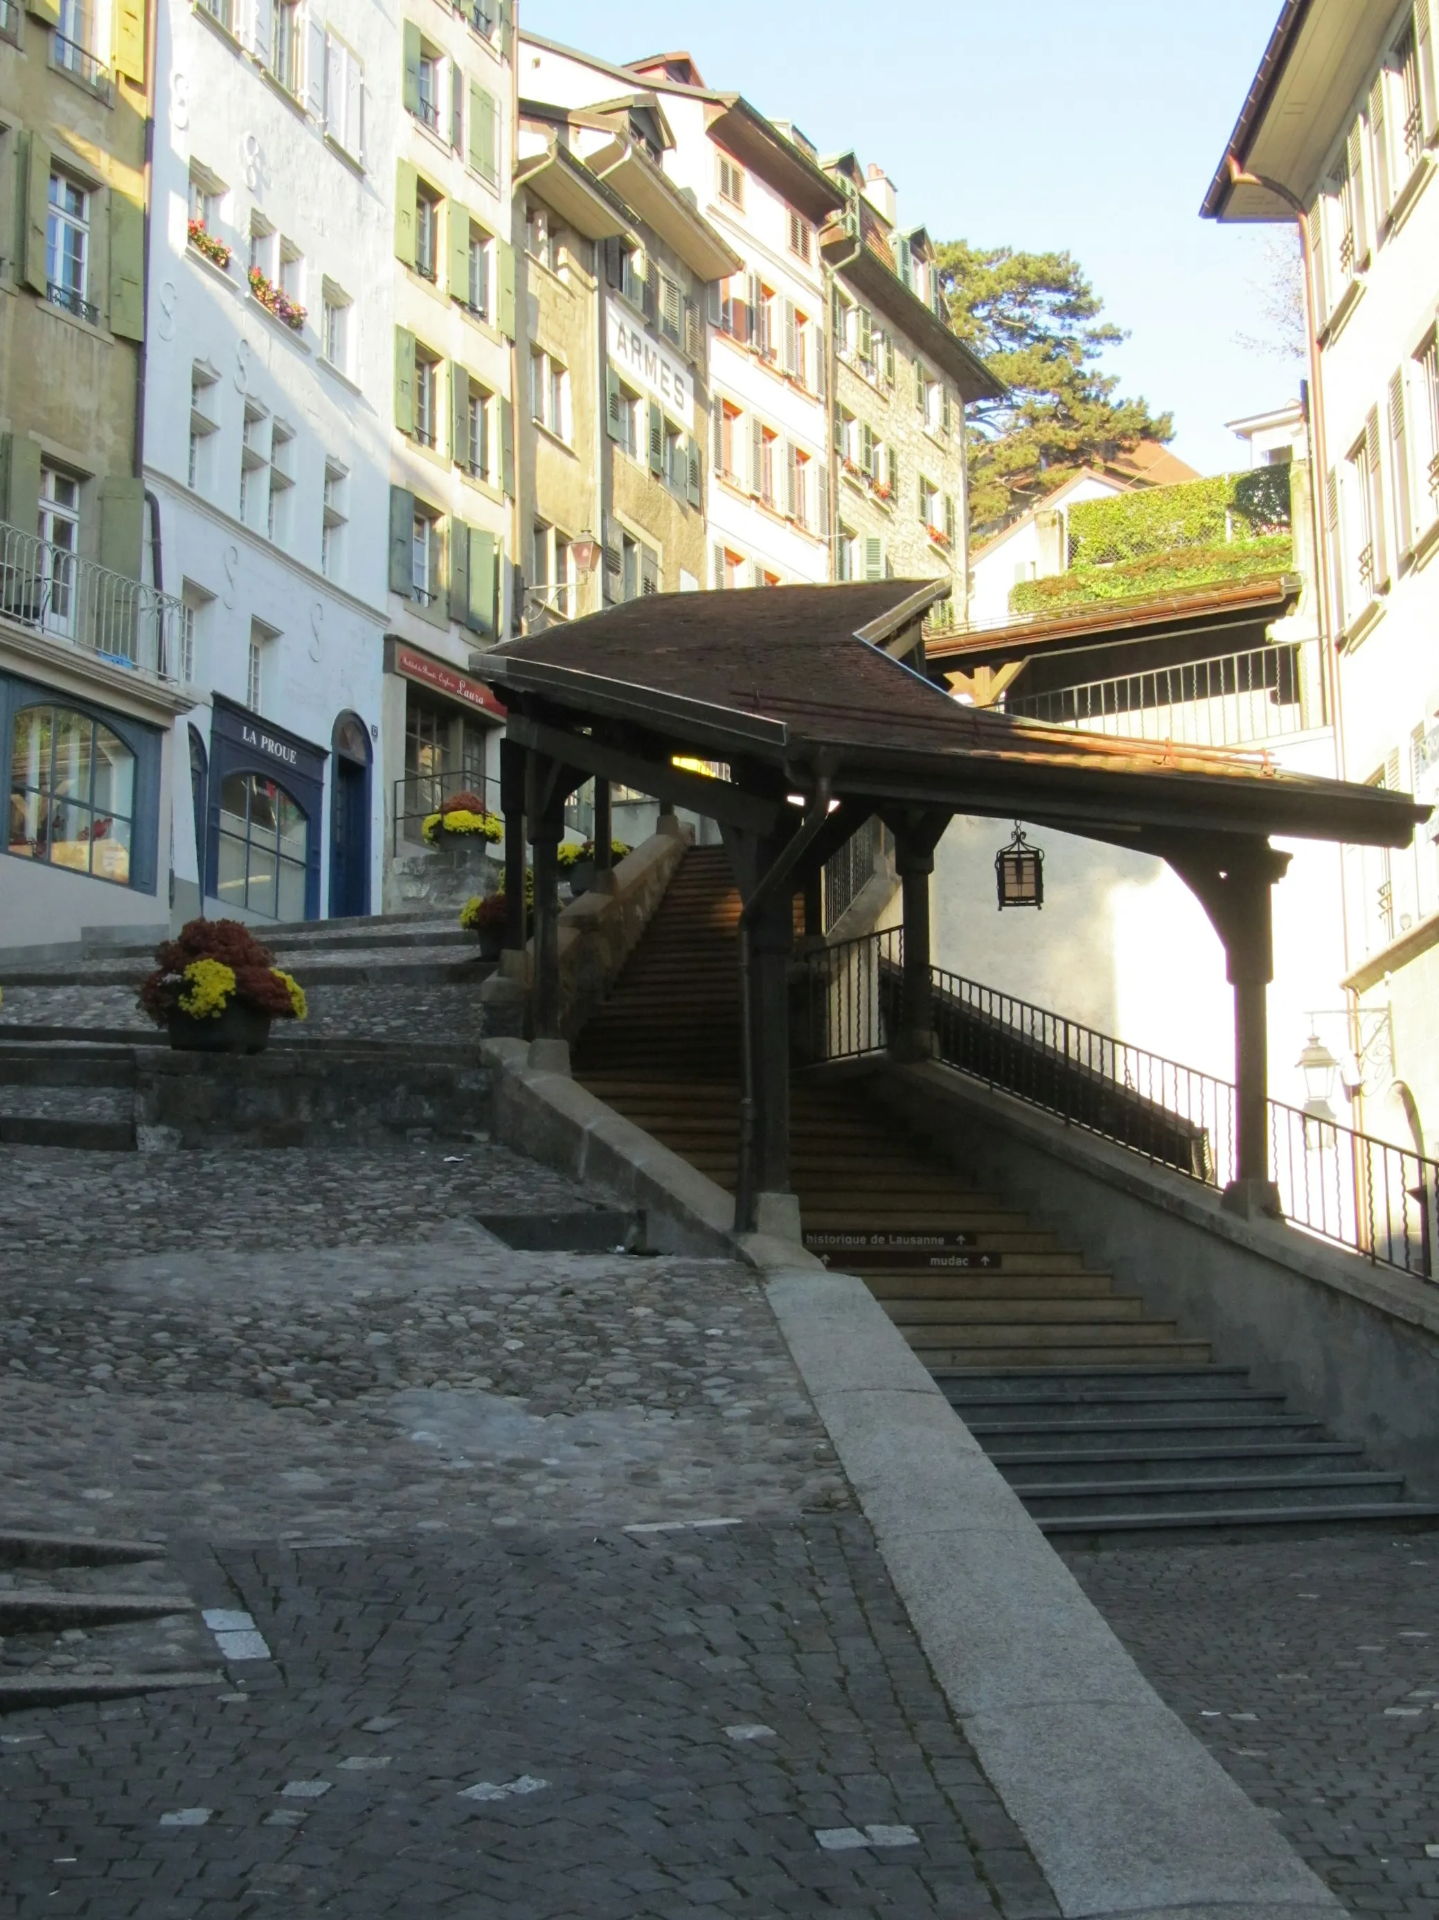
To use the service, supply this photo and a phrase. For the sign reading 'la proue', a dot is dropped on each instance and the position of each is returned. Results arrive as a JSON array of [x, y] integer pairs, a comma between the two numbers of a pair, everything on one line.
[[641, 361]]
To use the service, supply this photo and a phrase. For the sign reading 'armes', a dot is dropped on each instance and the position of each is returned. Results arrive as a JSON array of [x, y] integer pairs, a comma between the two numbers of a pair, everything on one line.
[[641, 360]]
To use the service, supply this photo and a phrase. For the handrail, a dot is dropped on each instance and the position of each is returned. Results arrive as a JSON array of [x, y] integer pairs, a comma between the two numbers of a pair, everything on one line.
[[418, 795], [52, 591], [1347, 1187]]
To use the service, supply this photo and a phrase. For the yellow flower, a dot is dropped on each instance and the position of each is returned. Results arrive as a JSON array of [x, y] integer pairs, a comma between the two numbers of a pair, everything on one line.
[[207, 995], [470, 911], [295, 991], [430, 828], [488, 826]]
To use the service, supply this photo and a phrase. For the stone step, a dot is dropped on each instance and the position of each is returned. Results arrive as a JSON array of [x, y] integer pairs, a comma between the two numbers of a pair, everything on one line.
[[1142, 1462], [27, 1609], [1016, 1307], [1029, 1273], [86, 1118], [1194, 1494], [1117, 1529], [20, 1547], [1062, 1399], [1001, 1383], [925, 1276], [1235, 1430], [18, 1692], [1070, 1350], [40, 1066]]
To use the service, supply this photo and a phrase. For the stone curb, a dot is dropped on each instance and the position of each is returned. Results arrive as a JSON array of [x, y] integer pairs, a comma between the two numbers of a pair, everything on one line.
[[1125, 1812]]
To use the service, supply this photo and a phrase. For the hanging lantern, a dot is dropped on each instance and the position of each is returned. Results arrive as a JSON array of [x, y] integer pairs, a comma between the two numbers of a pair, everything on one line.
[[1019, 873], [1319, 1067]]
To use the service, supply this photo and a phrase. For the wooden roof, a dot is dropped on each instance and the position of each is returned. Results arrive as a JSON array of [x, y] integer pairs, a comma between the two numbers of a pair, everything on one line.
[[806, 679]]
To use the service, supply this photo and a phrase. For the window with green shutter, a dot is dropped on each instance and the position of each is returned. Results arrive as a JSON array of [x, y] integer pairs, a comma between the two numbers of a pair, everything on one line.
[[484, 135], [20, 482], [407, 189], [35, 174], [127, 267], [404, 380], [505, 298], [402, 533], [412, 43], [507, 449], [482, 610]]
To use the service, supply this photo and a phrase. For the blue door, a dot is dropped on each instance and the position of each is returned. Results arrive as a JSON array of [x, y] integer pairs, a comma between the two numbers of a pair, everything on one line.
[[350, 820]]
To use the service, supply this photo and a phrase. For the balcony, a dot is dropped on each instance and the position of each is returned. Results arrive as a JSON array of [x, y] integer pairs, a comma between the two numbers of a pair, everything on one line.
[[51, 592], [68, 56], [73, 302]]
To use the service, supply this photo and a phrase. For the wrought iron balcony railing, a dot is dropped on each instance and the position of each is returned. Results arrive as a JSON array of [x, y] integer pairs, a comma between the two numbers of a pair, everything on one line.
[[73, 302], [53, 592]]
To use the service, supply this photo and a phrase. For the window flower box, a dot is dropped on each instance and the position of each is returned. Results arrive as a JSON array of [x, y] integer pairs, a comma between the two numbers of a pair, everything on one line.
[[210, 245], [276, 301], [938, 536]]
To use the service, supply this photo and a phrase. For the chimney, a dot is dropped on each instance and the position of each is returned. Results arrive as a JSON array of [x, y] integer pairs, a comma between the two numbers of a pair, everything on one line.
[[879, 191]]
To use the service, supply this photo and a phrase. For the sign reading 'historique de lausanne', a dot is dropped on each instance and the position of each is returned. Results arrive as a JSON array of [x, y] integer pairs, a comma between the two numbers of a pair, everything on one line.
[[640, 359]]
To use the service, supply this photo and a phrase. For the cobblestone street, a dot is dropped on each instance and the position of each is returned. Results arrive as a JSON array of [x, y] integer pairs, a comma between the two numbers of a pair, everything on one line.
[[410, 1456], [1310, 1669]]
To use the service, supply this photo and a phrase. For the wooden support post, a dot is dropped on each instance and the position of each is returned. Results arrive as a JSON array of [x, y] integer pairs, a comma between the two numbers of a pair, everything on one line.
[[915, 842], [512, 803], [545, 808], [814, 902], [604, 834], [771, 941], [1233, 879]]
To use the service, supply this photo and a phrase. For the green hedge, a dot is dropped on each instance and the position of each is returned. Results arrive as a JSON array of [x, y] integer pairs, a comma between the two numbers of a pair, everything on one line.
[[1229, 508], [1171, 571]]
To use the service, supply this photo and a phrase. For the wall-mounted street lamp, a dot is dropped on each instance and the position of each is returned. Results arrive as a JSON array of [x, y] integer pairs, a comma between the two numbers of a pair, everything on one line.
[[1019, 873], [585, 551], [1319, 1067]]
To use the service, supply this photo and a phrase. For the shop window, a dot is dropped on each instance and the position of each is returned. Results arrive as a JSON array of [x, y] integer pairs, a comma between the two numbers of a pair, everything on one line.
[[263, 848], [72, 793]]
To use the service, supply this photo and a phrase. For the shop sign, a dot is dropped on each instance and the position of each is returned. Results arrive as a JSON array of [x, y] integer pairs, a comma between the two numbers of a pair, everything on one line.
[[643, 361], [266, 743], [430, 672]]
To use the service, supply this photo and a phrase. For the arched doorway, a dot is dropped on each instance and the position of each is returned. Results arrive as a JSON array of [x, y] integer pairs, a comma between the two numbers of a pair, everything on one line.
[[350, 819]]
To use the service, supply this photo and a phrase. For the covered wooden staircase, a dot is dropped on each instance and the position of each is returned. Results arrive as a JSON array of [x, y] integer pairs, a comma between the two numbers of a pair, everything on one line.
[[1107, 1420]]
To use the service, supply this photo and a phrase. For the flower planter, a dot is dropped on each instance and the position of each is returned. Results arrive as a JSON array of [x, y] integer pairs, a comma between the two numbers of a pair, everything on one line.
[[237, 1029], [581, 877], [492, 940]]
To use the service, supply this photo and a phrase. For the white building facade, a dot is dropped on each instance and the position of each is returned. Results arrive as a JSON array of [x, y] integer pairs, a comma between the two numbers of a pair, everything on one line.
[[268, 406], [1341, 132]]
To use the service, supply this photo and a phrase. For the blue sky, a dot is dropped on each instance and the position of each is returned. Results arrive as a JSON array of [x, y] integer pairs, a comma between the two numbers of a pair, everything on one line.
[[1031, 125]]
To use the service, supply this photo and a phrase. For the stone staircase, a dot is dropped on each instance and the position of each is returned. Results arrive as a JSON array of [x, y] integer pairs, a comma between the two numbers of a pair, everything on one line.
[[1108, 1421], [388, 993]]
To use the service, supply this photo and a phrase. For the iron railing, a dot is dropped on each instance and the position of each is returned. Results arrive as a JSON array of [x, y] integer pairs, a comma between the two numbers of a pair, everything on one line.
[[1228, 700], [1347, 1187], [848, 871], [73, 301], [53, 591], [418, 795], [79, 61]]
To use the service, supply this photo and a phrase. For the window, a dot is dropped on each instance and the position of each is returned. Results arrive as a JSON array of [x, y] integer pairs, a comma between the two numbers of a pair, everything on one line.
[[254, 458], [204, 384], [427, 231], [282, 481], [264, 246], [623, 414], [334, 518], [195, 606], [847, 555], [476, 453], [929, 508], [344, 97], [1429, 422], [540, 237], [262, 640], [798, 464], [428, 109], [425, 560], [766, 450], [72, 43], [263, 848], [336, 336], [478, 292], [72, 793], [731, 181], [285, 53], [67, 247], [1408, 99], [550, 394], [801, 237], [427, 394], [728, 568], [60, 532], [726, 440], [292, 273], [631, 567], [207, 198], [1363, 490]]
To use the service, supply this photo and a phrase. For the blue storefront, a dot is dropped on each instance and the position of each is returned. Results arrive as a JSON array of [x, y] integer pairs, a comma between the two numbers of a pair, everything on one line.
[[261, 797]]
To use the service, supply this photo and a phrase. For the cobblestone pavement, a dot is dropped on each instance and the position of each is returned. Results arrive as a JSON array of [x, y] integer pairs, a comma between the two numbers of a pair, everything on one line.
[[1310, 1669], [412, 1455]]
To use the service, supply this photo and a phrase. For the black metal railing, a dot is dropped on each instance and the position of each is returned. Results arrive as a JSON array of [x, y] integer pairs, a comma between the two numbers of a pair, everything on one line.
[[1362, 1193], [79, 61], [73, 302], [848, 871], [418, 795]]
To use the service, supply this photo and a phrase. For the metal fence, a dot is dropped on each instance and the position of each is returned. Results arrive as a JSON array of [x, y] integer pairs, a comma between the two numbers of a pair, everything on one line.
[[418, 795], [53, 591], [1362, 1193], [1264, 694], [850, 868]]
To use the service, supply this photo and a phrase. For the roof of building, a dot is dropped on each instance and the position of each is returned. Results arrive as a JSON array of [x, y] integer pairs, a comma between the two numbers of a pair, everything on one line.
[[1152, 465], [805, 678]]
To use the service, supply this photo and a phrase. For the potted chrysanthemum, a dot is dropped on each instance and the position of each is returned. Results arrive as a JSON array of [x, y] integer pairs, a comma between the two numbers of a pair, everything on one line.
[[462, 818], [487, 916], [217, 989], [577, 862]]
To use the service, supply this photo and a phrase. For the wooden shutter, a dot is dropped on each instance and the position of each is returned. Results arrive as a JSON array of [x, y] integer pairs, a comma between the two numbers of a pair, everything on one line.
[[892, 475], [129, 47], [756, 456], [838, 429], [404, 380], [866, 334], [889, 358], [874, 556], [407, 188], [919, 384], [671, 309], [753, 309], [507, 449], [791, 337], [402, 529], [315, 68], [694, 473], [614, 405], [1317, 273], [717, 434], [127, 266], [36, 177], [20, 481], [949, 519], [505, 280], [458, 226], [1374, 461], [1399, 450], [484, 127], [649, 571], [614, 563], [459, 580], [1355, 151], [412, 67], [819, 384], [47, 11], [1336, 545], [122, 525], [694, 332], [866, 447], [821, 510], [484, 582], [657, 438], [1379, 145], [459, 414], [791, 479], [1424, 50], [717, 560], [946, 411]]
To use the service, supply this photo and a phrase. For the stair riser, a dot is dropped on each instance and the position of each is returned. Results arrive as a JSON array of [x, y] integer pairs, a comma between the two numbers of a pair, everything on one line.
[[958, 1319], [1188, 1353], [84, 1136], [1238, 1438], [1037, 1467], [1299, 1492], [61, 1070], [1232, 1407]]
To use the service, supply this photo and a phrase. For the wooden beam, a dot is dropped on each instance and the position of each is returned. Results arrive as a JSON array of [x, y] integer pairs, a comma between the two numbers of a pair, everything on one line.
[[712, 799]]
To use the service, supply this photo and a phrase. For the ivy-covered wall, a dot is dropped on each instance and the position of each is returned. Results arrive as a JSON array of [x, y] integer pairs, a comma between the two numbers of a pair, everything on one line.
[[1159, 539]]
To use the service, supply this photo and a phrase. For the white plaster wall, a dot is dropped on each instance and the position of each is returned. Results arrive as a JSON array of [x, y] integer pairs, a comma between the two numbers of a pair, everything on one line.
[[218, 109], [995, 571]]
